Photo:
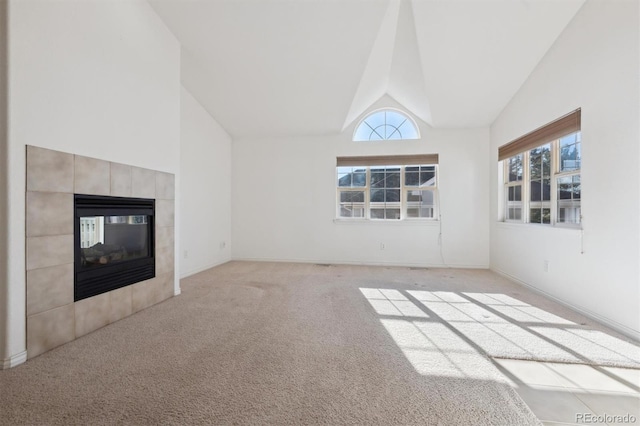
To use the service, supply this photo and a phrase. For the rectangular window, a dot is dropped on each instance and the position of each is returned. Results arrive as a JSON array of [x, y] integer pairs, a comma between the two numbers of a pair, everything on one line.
[[419, 192], [569, 199], [548, 160], [540, 184], [513, 206], [351, 183], [386, 192], [384, 201], [568, 179]]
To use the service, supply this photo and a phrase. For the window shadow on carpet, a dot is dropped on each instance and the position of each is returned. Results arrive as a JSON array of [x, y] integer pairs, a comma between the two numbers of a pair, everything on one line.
[[448, 329]]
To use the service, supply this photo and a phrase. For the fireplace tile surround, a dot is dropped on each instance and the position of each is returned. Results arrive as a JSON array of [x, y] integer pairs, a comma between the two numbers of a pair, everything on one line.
[[52, 178]]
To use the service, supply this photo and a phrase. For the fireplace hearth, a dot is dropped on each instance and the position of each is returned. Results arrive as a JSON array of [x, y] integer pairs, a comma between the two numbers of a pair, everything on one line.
[[114, 243]]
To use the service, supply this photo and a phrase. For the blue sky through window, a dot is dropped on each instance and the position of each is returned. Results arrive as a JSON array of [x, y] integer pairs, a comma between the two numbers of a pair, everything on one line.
[[386, 125]]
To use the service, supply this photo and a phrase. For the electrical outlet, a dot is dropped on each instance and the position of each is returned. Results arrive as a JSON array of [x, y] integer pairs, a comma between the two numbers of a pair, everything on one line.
[[546, 266]]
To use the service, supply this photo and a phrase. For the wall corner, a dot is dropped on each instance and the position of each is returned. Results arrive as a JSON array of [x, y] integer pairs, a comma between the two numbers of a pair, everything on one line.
[[4, 142]]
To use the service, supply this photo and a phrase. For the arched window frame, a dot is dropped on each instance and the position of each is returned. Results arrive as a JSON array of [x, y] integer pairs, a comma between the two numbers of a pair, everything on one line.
[[379, 110]]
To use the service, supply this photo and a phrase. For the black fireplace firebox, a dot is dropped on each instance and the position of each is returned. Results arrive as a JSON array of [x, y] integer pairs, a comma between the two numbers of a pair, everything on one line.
[[114, 243]]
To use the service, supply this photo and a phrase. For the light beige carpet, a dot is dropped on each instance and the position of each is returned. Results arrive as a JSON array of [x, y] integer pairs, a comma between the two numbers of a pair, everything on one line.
[[269, 343], [503, 326]]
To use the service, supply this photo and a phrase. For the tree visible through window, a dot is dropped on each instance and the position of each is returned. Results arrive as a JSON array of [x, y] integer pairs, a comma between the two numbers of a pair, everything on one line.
[[542, 173], [540, 184]]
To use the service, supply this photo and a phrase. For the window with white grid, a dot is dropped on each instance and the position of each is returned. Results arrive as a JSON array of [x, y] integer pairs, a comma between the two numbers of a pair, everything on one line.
[[541, 174], [387, 192]]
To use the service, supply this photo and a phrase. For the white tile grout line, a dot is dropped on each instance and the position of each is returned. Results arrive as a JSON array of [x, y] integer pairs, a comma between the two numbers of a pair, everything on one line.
[[574, 389]]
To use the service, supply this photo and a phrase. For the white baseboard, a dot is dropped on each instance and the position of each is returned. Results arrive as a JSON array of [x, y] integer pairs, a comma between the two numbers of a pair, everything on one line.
[[203, 268], [13, 361], [364, 263], [621, 328]]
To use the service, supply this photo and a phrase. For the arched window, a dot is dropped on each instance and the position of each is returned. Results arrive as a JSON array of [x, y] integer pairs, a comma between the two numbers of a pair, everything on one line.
[[386, 124]]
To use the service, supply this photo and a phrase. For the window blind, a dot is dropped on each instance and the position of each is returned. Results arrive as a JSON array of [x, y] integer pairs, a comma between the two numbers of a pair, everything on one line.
[[563, 126], [387, 160]]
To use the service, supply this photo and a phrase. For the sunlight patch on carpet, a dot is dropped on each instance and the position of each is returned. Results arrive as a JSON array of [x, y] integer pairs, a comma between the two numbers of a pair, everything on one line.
[[434, 350], [492, 324]]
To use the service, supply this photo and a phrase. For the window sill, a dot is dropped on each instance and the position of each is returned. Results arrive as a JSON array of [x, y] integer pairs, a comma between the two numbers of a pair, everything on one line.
[[404, 222], [522, 225]]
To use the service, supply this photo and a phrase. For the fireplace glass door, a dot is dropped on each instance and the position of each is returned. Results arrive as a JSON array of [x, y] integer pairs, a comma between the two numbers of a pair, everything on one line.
[[108, 239], [114, 243]]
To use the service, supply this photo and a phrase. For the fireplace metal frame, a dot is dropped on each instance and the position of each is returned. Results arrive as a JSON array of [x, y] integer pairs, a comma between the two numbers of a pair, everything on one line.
[[98, 280]]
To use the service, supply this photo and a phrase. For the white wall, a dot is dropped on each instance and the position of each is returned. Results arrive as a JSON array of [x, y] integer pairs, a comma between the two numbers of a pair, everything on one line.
[[284, 202], [593, 65], [4, 225], [100, 79], [205, 188]]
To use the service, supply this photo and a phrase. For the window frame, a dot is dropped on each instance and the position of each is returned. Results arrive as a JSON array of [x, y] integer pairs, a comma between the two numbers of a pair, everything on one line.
[[541, 204], [379, 110], [404, 190], [555, 175], [512, 184]]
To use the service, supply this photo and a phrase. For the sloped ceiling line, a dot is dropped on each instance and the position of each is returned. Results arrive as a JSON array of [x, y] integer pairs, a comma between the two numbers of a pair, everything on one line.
[[287, 68], [394, 67], [406, 79], [375, 77]]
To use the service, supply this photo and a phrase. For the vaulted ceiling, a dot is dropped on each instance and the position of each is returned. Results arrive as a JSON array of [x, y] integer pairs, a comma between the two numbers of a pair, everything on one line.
[[305, 67]]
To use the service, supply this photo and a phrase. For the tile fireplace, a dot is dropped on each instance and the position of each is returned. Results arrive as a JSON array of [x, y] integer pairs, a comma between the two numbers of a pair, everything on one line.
[[128, 218]]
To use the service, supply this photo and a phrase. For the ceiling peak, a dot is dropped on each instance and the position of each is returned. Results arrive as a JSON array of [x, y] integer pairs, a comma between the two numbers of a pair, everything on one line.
[[394, 66]]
